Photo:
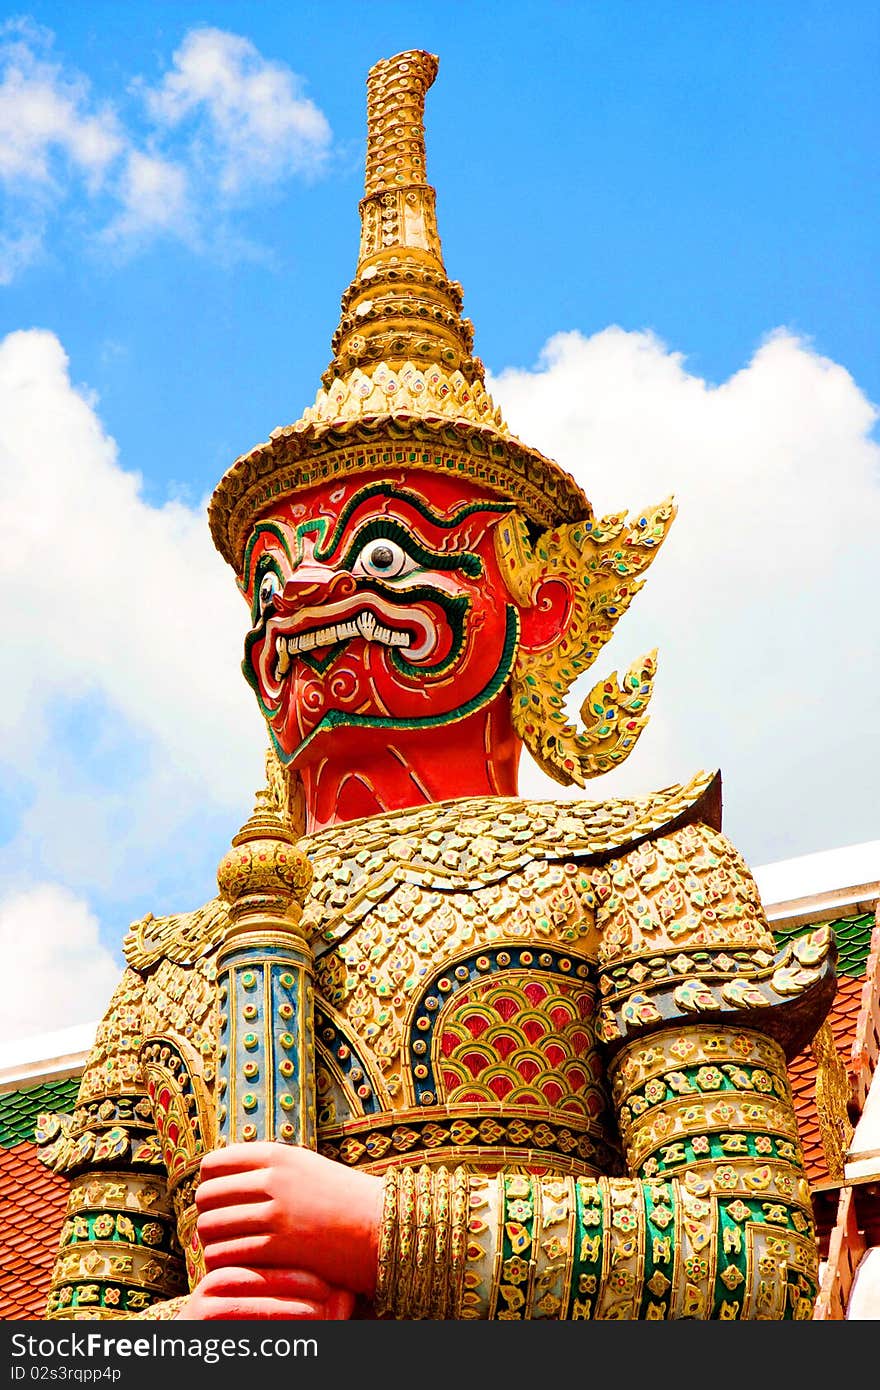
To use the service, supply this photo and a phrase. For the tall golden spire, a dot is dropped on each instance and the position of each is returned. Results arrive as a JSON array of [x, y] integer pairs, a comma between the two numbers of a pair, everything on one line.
[[401, 304], [402, 339], [403, 370]]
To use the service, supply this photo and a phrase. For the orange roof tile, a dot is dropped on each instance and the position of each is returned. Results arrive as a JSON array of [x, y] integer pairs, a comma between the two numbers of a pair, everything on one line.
[[33, 1201]]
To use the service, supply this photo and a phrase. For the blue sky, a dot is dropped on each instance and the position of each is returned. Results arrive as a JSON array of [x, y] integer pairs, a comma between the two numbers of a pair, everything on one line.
[[665, 219]]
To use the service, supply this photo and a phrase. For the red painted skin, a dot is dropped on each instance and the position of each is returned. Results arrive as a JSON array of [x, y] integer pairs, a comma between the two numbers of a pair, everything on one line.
[[286, 1232]]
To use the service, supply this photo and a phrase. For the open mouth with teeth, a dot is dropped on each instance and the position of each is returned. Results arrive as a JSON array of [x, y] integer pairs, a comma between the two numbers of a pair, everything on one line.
[[425, 633], [365, 625]]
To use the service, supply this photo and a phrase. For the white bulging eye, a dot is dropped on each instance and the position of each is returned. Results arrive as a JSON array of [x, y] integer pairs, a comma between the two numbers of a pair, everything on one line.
[[382, 559], [270, 585]]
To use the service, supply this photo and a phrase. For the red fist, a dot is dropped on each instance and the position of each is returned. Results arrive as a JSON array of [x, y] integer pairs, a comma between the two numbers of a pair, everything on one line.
[[227, 1294], [278, 1208]]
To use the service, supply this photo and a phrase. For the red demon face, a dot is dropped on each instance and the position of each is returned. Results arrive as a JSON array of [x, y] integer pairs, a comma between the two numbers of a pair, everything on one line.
[[378, 604]]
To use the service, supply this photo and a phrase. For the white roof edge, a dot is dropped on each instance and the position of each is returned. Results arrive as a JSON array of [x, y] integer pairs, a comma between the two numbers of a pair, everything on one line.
[[45, 1056], [824, 907], [844, 880]]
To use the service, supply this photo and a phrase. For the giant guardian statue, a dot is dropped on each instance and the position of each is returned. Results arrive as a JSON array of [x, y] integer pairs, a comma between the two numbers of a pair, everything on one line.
[[435, 1050]]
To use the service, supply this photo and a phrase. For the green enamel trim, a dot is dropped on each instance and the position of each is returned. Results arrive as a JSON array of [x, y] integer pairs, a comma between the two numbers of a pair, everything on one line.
[[260, 529], [388, 528], [658, 1288], [314, 526], [707, 1078], [517, 1245], [19, 1109], [123, 1228], [320, 664], [115, 1297], [733, 1217], [698, 1148], [247, 672], [455, 609], [589, 1237], [731, 1265], [336, 719], [267, 564], [322, 551]]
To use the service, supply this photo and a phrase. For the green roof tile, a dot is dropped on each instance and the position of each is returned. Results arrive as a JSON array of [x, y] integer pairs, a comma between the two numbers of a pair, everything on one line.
[[19, 1109], [853, 941]]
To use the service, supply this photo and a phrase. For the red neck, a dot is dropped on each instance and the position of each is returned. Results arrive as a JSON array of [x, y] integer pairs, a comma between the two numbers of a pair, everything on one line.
[[355, 772]]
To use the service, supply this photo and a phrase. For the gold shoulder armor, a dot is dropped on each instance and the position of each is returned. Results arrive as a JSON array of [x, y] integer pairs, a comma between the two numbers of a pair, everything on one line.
[[683, 935], [183, 938], [112, 1119], [464, 845]]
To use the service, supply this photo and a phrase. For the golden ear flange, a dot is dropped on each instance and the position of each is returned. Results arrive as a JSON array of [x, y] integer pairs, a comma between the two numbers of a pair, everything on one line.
[[601, 563]]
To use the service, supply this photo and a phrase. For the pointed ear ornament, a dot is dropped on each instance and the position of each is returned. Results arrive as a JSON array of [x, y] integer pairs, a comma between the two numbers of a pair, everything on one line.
[[600, 561]]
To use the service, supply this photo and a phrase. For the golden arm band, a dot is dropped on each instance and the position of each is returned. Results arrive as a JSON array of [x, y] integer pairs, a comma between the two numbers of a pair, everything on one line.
[[422, 1246], [714, 1222], [164, 1312], [118, 1250]]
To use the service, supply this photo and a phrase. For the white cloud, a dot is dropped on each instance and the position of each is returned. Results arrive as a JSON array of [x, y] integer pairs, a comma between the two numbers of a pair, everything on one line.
[[252, 120], [21, 248], [44, 114], [153, 193], [223, 121], [127, 728], [762, 599], [56, 972]]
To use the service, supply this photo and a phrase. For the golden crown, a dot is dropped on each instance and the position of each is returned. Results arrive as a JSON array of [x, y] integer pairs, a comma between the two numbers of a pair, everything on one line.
[[404, 389]]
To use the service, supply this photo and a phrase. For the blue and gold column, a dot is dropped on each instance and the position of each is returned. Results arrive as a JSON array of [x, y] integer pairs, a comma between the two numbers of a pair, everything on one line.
[[266, 1046]]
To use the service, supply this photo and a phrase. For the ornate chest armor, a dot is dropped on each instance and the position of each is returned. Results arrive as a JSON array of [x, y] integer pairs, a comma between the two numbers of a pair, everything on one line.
[[477, 965]]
